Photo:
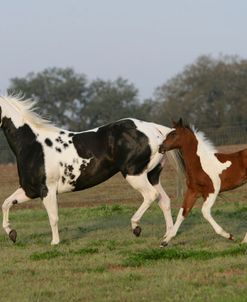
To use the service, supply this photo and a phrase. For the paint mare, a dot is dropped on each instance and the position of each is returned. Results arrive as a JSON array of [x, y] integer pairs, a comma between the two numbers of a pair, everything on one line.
[[207, 174], [51, 160]]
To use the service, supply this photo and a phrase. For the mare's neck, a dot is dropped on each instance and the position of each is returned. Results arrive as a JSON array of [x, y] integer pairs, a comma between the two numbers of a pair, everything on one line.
[[18, 138]]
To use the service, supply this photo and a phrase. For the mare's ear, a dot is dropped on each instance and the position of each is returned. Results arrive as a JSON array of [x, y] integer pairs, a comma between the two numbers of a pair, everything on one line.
[[179, 123]]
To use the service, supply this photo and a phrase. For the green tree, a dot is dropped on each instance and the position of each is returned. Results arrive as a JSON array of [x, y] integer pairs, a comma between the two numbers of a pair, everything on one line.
[[109, 101], [61, 94], [67, 99], [209, 92]]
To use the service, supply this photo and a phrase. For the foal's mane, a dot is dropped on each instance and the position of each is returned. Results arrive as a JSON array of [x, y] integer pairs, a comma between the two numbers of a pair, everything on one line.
[[26, 108], [203, 141]]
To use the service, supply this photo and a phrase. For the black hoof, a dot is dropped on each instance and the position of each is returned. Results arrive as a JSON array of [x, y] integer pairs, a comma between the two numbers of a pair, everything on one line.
[[137, 231], [163, 244], [231, 237], [13, 235]]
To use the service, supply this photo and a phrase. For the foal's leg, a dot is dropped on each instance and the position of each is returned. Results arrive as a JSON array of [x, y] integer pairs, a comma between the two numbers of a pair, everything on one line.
[[18, 196], [206, 211], [188, 203], [149, 193], [50, 203]]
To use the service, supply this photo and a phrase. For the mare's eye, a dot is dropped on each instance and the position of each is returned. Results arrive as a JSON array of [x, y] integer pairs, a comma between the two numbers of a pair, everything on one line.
[[173, 134]]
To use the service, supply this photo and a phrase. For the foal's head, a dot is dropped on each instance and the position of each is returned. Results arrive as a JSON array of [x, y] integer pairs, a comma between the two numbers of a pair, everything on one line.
[[176, 138]]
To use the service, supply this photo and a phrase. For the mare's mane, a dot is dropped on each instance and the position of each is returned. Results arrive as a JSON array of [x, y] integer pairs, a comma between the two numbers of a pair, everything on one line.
[[26, 108]]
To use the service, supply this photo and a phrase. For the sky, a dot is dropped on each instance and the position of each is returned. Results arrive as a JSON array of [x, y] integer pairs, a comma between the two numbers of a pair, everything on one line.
[[145, 41]]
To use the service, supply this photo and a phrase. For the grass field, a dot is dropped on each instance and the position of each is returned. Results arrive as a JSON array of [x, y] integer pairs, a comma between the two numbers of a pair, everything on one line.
[[100, 260]]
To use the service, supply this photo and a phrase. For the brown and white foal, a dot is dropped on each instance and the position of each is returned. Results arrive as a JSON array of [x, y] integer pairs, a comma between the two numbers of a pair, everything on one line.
[[207, 174]]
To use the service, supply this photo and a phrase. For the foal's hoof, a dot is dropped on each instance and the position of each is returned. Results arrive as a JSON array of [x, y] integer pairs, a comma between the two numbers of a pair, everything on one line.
[[163, 244], [13, 235], [231, 237], [137, 231]]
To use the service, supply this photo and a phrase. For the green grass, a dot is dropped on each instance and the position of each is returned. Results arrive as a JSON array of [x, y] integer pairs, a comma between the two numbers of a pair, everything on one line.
[[100, 260], [147, 255]]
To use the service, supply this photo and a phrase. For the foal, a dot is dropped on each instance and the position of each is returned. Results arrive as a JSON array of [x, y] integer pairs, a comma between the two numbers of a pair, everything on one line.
[[207, 174]]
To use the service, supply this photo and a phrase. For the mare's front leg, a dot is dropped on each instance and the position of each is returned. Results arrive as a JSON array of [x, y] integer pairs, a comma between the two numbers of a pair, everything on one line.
[[50, 203], [206, 212], [149, 193], [19, 196], [188, 203]]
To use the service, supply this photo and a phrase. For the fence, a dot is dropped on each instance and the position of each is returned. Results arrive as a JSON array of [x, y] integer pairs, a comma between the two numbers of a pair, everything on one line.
[[227, 135]]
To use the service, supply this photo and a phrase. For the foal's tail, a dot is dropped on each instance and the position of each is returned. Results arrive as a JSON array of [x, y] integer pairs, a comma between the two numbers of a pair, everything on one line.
[[176, 160]]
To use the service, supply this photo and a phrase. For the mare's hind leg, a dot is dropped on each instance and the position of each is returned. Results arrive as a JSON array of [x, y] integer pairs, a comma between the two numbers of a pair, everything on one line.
[[163, 199], [18, 196], [164, 203], [149, 193], [50, 203], [206, 211], [245, 239]]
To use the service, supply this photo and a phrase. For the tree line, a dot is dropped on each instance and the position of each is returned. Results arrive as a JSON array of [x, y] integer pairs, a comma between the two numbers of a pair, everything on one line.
[[208, 92]]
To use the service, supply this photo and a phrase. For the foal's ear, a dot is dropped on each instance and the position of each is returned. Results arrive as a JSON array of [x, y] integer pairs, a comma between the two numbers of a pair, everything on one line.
[[179, 123]]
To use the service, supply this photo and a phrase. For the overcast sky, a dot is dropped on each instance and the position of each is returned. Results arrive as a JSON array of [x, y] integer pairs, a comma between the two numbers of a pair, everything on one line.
[[145, 41]]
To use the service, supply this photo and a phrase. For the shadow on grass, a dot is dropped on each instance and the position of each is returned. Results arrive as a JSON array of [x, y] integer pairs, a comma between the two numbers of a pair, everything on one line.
[[115, 222], [145, 256], [109, 218], [237, 213], [47, 255]]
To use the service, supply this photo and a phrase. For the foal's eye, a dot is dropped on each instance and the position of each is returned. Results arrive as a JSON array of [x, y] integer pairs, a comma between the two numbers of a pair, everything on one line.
[[173, 134]]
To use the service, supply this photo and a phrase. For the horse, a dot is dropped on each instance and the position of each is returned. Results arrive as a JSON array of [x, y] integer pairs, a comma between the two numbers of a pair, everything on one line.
[[51, 160], [207, 174]]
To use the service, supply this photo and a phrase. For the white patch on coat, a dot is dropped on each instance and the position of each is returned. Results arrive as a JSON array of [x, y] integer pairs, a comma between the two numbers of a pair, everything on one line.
[[209, 162], [156, 135], [56, 162]]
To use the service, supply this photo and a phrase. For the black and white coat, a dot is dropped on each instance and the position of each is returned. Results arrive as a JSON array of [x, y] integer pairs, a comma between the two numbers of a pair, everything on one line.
[[51, 160]]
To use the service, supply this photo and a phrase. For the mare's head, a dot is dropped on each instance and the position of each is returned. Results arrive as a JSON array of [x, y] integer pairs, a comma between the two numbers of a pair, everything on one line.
[[177, 137]]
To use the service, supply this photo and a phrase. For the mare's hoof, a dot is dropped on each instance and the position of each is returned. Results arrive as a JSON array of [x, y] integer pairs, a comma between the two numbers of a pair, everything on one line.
[[231, 237], [13, 235], [137, 231], [164, 244]]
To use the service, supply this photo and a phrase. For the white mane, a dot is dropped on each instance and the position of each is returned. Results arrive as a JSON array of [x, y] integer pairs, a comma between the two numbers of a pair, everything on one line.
[[203, 142], [25, 108], [210, 163]]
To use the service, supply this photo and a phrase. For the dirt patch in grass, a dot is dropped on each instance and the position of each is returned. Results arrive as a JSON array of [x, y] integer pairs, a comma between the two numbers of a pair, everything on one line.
[[229, 273]]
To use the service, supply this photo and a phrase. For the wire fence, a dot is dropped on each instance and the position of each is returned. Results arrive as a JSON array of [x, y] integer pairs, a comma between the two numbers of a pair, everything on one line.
[[227, 135], [220, 136]]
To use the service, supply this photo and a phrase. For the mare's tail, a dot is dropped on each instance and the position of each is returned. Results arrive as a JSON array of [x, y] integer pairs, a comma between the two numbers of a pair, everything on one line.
[[176, 160]]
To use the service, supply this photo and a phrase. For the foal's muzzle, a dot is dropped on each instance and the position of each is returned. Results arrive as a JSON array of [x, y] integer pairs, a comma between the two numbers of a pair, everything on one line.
[[162, 149]]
